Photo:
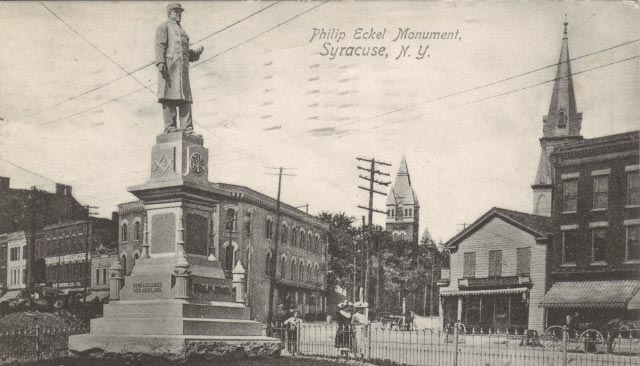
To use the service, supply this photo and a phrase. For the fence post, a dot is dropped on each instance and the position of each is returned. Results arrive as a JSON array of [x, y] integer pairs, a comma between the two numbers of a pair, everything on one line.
[[368, 330], [455, 343], [37, 342], [565, 342]]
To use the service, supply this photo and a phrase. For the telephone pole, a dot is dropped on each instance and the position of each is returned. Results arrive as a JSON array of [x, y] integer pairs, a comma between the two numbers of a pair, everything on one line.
[[87, 271], [32, 243], [274, 257], [373, 172]]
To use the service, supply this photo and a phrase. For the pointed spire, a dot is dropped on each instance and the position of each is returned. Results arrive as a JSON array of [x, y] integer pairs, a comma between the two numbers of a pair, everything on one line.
[[401, 191], [563, 118]]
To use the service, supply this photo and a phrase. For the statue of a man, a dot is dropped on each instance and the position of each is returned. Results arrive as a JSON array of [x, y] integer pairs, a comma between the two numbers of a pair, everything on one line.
[[172, 59]]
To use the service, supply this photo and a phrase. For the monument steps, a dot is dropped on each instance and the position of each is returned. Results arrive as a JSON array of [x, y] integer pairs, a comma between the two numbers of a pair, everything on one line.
[[176, 326], [177, 310]]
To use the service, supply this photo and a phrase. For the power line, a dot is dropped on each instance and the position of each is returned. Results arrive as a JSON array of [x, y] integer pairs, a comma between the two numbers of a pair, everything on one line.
[[485, 85], [496, 95], [143, 66], [26, 170], [200, 63], [95, 47]]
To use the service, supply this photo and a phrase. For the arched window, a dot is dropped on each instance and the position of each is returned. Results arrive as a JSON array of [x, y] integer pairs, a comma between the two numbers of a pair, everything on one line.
[[562, 119], [283, 234], [137, 234], [125, 228], [230, 220], [309, 240], [267, 264], [317, 274], [402, 236], [294, 237], [309, 272], [229, 258], [269, 229], [104, 276], [293, 269], [395, 236], [124, 263], [316, 246], [283, 264], [301, 273], [135, 258], [247, 225]]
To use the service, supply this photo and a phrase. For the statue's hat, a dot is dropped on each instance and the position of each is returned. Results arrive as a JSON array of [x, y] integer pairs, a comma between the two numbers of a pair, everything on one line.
[[173, 6]]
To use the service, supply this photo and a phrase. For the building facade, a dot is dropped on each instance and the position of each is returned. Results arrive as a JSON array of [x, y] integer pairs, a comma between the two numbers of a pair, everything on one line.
[[497, 272], [403, 208], [595, 259], [4, 259], [63, 252], [17, 261], [244, 229], [52, 207], [562, 124]]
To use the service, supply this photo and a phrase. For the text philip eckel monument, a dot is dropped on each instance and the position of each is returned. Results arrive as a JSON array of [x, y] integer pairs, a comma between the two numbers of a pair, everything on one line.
[[176, 303]]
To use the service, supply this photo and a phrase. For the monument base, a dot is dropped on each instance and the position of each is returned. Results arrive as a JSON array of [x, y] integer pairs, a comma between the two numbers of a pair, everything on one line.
[[174, 330]]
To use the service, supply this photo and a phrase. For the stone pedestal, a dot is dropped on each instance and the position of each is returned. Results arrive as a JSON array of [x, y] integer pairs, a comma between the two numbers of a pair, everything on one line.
[[176, 303]]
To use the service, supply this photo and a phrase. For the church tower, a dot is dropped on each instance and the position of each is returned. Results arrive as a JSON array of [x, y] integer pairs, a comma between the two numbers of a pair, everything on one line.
[[403, 209], [560, 125]]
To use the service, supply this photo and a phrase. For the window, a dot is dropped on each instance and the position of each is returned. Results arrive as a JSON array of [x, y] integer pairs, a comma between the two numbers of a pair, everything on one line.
[[317, 246], [269, 229], [293, 269], [284, 234], [402, 236], [24, 253], [569, 243], [267, 265], [562, 119], [230, 220], [283, 263], [570, 196], [633, 242], [301, 273], [97, 276], [136, 231], [124, 232], [495, 263], [294, 237], [469, 265], [124, 263], [247, 225], [523, 261], [228, 258], [104, 276], [633, 192], [599, 245], [24, 275], [601, 191]]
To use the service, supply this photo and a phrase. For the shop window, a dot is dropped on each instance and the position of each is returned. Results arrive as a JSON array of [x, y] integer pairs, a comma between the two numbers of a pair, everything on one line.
[[523, 261], [633, 242], [599, 245], [633, 191], [495, 263], [469, 265], [570, 195], [601, 191], [569, 243]]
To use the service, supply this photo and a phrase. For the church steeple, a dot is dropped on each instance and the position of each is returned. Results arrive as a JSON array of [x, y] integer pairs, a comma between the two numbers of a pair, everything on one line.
[[561, 124], [563, 118], [403, 209]]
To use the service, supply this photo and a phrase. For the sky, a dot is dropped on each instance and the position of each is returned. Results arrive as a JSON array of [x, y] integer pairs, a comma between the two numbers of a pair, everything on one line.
[[269, 94]]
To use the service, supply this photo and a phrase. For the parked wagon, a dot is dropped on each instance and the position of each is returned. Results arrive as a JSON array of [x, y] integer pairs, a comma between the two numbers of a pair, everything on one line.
[[591, 337]]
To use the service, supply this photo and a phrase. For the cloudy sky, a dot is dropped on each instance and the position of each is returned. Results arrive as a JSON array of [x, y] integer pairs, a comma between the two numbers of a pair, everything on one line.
[[267, 95]]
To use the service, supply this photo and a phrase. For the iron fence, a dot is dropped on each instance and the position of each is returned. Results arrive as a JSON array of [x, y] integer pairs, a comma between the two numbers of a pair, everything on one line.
[[459, 346], [36, 344]]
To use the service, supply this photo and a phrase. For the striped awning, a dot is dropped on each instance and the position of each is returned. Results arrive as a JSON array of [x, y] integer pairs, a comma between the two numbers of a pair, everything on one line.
[[591, 294], [499, 291]]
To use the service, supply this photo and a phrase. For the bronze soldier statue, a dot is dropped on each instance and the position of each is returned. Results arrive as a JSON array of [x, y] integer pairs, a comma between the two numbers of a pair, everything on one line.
[[172, 59]]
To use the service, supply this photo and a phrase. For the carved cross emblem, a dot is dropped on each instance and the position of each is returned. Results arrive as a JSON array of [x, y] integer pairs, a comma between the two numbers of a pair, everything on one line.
[[197, 163], [163, 164]]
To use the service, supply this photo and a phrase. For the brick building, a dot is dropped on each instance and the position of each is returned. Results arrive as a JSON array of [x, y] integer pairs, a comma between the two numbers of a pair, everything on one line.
[[595, 258], [244, 229], [497, 272], [61, 251]]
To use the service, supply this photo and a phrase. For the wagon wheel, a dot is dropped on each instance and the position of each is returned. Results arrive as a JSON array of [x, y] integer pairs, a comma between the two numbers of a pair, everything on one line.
[[552, 337], [592, 341]]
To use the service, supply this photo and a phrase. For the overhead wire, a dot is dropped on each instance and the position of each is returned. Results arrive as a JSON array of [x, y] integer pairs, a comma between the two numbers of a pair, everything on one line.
[[143, 66]]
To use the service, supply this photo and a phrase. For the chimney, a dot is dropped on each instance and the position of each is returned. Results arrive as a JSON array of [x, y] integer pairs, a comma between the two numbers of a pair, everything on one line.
[[114, 217], [63, 189], [4, 183]]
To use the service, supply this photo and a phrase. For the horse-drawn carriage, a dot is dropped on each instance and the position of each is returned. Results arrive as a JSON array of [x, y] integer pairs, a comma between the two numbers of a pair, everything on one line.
[[589, 337]]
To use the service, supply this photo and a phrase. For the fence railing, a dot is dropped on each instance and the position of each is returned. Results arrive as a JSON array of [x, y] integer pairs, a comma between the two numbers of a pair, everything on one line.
[[36, 344], [459, 346]]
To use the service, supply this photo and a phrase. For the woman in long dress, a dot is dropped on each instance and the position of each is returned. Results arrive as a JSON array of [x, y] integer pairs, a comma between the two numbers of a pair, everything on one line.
[[343, 334]]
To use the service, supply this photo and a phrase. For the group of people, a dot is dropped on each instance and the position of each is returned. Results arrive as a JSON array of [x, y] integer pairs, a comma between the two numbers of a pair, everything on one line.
[[351, 331]]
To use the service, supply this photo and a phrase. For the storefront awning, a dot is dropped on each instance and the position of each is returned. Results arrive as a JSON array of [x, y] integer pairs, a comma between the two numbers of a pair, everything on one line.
[[591, 294], [499, 291], [10, 296]]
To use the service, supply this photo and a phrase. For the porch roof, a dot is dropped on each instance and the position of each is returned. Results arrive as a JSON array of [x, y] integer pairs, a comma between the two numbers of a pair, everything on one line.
[[591, 294]]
